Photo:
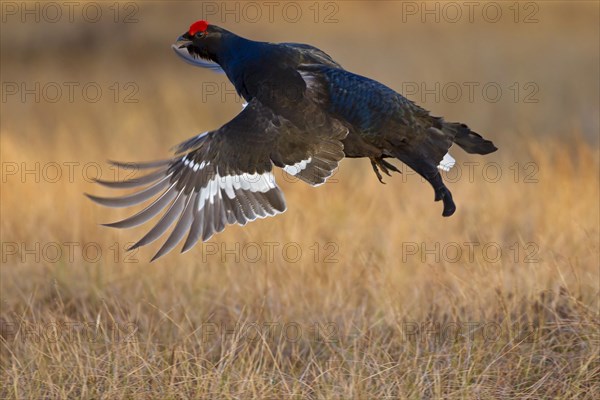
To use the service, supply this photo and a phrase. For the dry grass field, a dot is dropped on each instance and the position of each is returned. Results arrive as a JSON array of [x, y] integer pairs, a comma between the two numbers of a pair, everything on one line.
[[359, 290]]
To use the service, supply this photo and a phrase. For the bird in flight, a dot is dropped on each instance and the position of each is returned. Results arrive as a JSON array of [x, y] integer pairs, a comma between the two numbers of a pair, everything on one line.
[[303, 113]]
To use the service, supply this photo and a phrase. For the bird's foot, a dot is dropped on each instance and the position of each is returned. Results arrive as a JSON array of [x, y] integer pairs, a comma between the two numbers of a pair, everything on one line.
[[380, 163]]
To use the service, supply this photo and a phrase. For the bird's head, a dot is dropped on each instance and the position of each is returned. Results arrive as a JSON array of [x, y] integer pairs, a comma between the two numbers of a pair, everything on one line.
[[202, 41]]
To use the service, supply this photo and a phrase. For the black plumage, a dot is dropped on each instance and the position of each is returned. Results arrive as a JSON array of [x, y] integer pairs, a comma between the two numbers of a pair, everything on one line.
[[304, 114]]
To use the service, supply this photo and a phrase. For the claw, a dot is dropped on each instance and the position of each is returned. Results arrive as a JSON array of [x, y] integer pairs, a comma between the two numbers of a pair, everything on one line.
[[390, 166], [374, 164], [380, 163]]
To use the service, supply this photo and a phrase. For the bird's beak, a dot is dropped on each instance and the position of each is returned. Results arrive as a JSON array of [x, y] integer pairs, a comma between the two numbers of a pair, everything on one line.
[[183, 41], [183, 48]]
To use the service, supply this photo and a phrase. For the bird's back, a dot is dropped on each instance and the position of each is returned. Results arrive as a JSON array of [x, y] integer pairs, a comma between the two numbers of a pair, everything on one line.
[[367, 105]]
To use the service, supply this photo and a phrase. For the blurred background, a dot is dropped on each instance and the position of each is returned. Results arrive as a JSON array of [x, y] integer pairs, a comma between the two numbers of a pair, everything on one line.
[[89, 81]]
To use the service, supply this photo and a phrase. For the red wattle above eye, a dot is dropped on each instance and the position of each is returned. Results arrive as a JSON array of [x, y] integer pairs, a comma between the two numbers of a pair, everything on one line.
[[198, 26]]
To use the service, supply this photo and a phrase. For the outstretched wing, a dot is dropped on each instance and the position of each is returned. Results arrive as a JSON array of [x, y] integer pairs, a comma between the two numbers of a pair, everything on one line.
[[225, 176]]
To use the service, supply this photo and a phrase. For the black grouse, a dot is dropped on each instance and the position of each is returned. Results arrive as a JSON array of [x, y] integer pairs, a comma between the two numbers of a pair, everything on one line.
[[304, 113]]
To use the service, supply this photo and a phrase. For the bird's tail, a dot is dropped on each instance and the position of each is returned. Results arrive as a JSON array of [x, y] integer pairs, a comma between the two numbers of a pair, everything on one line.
[[469, 141]]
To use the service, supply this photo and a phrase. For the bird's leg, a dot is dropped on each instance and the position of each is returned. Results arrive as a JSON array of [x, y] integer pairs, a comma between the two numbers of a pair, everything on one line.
[[430, 172], [442, 193]]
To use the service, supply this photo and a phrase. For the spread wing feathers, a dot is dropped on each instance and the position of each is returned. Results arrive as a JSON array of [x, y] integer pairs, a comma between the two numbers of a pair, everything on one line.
[[194, 59], [224, 176]]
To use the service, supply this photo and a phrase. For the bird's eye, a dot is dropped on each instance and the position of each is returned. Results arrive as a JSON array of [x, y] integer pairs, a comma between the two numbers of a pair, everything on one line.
[[200, 35]]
